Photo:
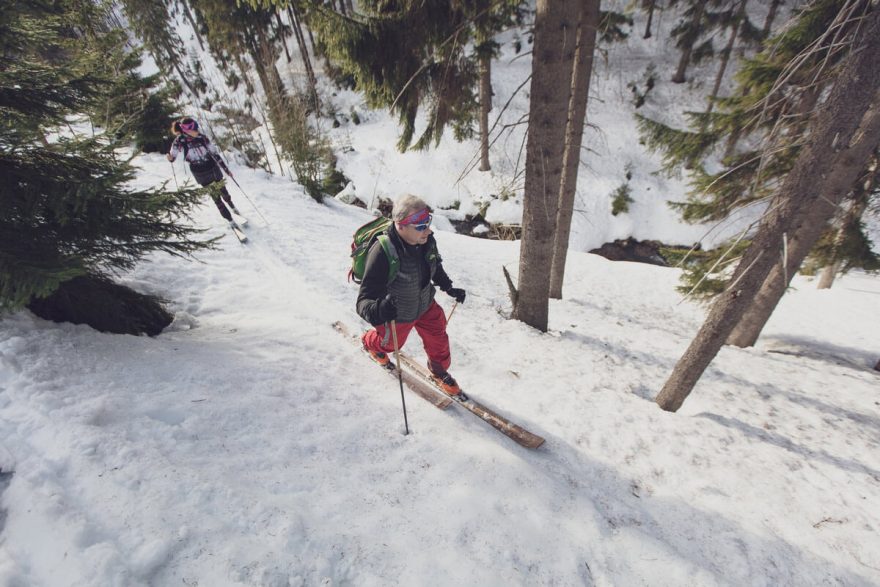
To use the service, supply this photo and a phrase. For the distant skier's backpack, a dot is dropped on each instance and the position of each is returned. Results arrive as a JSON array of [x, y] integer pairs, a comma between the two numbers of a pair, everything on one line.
[[376, 229]]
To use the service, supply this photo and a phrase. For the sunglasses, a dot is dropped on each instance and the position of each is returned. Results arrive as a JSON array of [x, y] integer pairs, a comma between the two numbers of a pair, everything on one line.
[[188, 126], [420, 220]]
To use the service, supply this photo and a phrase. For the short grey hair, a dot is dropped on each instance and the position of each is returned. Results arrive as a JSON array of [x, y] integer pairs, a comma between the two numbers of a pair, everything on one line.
[[406, 205]]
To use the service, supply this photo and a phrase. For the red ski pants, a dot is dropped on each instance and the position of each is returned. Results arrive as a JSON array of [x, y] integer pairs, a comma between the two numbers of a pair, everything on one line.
[[431, 326]]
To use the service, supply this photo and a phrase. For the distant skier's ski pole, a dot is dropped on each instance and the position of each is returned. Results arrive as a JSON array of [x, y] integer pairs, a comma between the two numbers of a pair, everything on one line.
[[174, 173], [399, 372], [229, 173]]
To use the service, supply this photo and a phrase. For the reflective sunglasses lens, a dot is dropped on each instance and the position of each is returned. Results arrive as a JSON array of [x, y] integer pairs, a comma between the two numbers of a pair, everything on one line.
[[424, 223]]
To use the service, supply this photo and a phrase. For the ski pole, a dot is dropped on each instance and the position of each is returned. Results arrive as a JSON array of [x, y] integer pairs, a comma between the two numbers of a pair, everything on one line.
[[452, 311], [399, 372], [223, 165], [174, 173]]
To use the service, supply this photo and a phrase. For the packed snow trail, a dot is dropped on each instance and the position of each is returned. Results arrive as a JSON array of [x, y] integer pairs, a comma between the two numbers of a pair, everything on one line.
[[250, 445]]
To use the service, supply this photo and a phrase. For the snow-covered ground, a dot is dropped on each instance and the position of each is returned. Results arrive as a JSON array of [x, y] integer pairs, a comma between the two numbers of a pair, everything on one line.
[[250, 444]]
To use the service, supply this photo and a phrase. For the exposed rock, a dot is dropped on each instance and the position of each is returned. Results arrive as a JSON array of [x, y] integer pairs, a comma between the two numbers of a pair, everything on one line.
[[103, 305], [632, 250], [475, 225]]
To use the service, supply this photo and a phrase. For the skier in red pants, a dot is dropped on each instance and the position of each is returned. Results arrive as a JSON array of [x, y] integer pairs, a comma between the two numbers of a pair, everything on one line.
[[407, 295]]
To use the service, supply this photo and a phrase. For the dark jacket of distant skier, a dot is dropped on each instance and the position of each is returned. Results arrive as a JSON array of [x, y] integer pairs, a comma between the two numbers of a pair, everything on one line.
[[204, 161]]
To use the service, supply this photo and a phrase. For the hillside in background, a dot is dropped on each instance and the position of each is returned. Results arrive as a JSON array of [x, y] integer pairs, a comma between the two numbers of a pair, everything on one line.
[[446, 176]]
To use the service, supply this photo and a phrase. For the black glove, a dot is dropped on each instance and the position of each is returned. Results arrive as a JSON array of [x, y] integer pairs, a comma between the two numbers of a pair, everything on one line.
[[386, 309], [457, 293]]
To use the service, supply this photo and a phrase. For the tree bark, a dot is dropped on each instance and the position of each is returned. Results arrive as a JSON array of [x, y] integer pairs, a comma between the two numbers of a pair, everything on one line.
[[281, 35], [771, 16], [807, 230], [185, 79], [858, 205], [552, 59], [485, 107], [239, 62], [690, 39], [831, 159], [829, 273], [574, 132], [651, 5], [304, 55], [725, 55], [264, 60], [189, 18]]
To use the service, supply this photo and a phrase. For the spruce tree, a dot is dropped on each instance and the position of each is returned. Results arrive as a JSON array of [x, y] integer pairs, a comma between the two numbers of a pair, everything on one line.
[[68, 215], [771, 108], [150, 21], [843, 134], [132, 107], [415, 55]]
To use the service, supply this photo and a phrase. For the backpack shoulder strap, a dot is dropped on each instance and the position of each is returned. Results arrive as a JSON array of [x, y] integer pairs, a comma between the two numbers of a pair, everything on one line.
[[391, 253]]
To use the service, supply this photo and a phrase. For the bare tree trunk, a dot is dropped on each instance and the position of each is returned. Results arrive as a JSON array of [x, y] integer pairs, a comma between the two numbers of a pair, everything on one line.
[[264, 59], [189, 18], [271, 140], [281, 35], [834, 155], [691, 38], [771, 16], [248, 84], [725, 55], [651, 5], [574, 131], [350, 7], [552, 61], [803, 237], [184, 79], [485, 107], [850, 221], [304, 55], [829, 273]]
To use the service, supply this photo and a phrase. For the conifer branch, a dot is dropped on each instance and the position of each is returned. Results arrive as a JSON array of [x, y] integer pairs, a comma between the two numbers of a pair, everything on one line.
[[454, 35]]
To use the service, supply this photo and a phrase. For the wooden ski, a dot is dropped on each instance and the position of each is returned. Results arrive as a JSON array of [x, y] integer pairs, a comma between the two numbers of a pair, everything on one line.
[[513, 431], [415, 384]]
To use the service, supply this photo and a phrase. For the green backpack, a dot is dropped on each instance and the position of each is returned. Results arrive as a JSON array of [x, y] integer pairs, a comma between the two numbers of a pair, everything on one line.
[[363, 238]]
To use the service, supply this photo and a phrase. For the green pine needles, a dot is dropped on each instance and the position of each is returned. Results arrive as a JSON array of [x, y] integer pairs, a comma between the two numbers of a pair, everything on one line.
[[66, 205], [739, 154], [417, 54]]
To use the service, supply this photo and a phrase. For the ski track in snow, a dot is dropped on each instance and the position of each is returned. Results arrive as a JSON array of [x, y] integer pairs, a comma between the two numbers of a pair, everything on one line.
[[248, 446]]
